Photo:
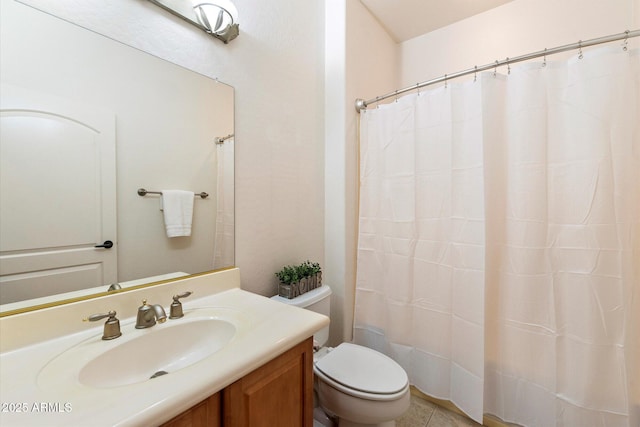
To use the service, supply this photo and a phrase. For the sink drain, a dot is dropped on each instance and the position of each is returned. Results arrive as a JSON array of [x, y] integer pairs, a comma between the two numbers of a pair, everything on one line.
[[158, 374]]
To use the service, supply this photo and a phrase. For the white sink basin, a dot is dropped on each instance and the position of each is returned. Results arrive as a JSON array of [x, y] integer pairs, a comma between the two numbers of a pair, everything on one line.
[[159, 353], [140, 355]]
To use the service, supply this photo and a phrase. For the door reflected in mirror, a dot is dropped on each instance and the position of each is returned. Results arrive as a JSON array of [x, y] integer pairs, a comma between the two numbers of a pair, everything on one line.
[[87, 121]]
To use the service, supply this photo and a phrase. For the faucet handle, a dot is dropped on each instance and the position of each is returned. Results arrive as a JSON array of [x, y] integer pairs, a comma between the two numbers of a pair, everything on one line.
[[182, 295], [98, 316], [111, 326], [176, 305]]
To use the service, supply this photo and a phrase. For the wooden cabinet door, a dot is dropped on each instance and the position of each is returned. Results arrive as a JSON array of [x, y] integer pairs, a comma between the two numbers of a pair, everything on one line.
[[280, 393], [204, 414]]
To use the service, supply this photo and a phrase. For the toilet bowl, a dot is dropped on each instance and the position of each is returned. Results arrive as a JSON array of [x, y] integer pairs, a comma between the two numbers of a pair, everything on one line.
[[355, 385], [360, 386]]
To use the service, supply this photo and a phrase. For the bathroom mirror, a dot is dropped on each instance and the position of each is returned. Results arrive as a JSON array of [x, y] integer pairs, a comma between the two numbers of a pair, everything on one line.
[[164, 128]]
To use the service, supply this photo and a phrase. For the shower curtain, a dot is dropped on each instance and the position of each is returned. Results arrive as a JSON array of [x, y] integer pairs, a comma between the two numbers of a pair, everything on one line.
[[499, 241]]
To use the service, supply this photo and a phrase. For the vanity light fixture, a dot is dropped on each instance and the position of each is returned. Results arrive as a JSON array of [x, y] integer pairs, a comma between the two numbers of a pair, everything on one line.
[[219, 17], [216, 17]]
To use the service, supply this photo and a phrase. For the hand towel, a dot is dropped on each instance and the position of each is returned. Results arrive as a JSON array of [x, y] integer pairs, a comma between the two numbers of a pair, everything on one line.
[[178, 212]]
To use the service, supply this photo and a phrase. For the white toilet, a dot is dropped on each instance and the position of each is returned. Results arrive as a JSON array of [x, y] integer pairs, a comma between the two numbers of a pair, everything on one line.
[[356, 385]]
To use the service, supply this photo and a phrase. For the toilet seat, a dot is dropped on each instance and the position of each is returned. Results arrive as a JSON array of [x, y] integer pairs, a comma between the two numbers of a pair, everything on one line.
[[362, 372]]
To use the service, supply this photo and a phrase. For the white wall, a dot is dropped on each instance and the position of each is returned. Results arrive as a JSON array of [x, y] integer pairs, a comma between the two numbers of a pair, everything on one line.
[[516, 28], [276, 68]]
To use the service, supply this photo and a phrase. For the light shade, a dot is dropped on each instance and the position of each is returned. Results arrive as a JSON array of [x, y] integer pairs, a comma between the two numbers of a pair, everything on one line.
[[219, 17]]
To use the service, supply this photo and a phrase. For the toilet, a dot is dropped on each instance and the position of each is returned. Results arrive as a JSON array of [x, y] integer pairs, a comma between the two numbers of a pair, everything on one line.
[[355, 385]]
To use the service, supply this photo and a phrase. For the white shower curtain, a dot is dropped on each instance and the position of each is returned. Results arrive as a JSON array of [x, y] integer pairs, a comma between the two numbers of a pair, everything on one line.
[[499, 241]]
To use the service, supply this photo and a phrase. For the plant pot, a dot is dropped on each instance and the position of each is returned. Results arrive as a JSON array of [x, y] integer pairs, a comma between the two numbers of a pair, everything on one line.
[[315, 281], [306, 284], [289, 291]]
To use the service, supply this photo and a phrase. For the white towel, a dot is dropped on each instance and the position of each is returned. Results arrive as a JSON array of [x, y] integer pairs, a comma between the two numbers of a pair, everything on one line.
[[178, 212]]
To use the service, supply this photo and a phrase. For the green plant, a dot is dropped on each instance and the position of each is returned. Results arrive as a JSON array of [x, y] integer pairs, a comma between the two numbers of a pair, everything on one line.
[[288, 275], [316, 268], [291, 274], [309, 269]]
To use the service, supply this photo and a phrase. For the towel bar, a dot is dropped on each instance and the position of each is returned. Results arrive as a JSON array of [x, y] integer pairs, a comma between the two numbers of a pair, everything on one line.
[[143, 192]]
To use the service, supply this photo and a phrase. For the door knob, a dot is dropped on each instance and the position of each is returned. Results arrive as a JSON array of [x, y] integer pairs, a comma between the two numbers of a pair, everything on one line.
[[108, 244]]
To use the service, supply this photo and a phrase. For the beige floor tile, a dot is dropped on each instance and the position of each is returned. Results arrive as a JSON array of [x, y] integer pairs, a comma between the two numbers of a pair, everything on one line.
[[443, 418], [418, 414]]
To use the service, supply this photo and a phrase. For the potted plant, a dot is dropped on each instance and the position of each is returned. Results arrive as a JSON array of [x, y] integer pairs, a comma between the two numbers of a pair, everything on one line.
[[289, 286], [296, 280]]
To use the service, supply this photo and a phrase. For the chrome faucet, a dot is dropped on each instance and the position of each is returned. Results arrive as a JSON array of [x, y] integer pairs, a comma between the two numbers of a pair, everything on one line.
[[148, 314]]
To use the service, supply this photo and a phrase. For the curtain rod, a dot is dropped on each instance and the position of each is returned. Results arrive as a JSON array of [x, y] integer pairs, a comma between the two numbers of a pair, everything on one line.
[[362, 104]]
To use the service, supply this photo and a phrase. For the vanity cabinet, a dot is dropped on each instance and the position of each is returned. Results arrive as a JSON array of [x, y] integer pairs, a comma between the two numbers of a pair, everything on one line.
[[279, 393]]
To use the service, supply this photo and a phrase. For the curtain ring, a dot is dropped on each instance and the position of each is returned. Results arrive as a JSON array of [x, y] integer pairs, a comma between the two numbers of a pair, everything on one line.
[[544, 58], [475, 73], [418, 88], [626, 40], [445, 81], [580, 56], [508, 66], [495, 69], [396, 96]]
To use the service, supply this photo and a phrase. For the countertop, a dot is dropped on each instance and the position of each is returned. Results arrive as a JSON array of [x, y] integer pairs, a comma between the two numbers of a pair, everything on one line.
[[268, 329]]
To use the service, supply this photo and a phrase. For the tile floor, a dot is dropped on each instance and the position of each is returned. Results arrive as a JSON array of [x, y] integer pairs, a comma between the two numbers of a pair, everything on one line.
[[422, 413]]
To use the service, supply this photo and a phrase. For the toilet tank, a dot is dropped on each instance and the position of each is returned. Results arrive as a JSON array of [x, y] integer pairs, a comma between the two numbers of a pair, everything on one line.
[[318, 300]]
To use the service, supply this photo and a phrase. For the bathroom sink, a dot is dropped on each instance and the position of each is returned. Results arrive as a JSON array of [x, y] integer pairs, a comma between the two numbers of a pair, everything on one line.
[[158, 353], [140, 355]]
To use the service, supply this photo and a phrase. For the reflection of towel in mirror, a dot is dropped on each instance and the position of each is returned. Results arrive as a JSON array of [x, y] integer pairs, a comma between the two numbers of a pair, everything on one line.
[[178, 212]]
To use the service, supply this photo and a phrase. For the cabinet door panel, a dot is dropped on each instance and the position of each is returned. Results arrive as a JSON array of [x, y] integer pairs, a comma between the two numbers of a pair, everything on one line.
[[204, 414], [280, 393]]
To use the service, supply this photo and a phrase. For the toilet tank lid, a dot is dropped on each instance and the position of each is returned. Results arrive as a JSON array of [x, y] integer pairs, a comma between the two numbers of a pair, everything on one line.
[[306, 299]]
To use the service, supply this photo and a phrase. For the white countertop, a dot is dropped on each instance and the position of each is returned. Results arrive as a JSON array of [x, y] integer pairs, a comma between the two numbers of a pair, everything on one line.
[[268, 329]]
